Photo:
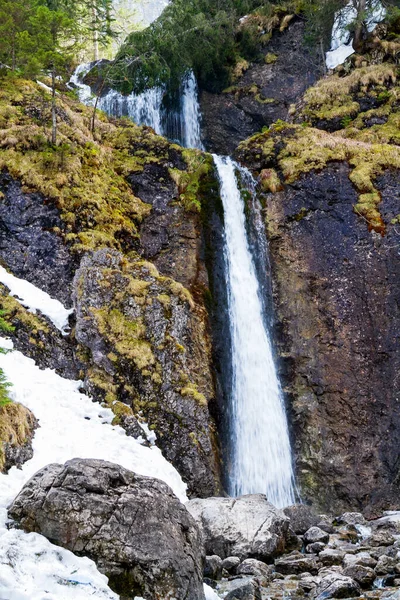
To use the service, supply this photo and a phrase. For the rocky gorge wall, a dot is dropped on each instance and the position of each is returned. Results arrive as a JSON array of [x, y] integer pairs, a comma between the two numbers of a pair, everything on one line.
[[110, 225]]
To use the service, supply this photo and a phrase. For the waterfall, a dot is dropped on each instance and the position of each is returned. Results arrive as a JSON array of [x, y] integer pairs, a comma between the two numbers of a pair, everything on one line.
[[143, 109], [180, 123], [191, 115], [84, 91], [260, 455]]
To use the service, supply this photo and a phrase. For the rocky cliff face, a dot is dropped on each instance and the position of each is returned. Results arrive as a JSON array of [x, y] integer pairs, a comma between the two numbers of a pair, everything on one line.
[[112, 222], [264, 91], [332, 223]]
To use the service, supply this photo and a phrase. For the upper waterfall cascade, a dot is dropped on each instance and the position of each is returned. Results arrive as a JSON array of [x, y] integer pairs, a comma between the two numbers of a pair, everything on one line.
[[260, 449], [182, 125]]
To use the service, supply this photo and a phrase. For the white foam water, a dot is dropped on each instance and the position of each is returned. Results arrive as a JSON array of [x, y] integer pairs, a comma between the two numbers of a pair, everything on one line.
[[260, 447], [190, 113], [143, 109]]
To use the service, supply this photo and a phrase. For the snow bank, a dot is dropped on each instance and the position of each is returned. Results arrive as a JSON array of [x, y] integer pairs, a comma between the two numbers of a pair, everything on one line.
[[342, 43], [35, 299], [71, 425]]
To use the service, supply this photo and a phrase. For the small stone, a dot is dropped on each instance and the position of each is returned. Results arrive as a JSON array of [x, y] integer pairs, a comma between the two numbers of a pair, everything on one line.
[[385, 565], [230, 564], [380, 538], [315, 534], [213, 567], [362, 558], [308, 582], [295, 563], [365, 576], [315, 548], [245, 590], [336, 585], [330, 556], [326, 524], [351, 518], [251, 566]]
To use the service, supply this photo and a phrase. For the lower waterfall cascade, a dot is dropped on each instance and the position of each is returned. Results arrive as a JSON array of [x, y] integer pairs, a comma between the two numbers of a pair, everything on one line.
[[260, 456]]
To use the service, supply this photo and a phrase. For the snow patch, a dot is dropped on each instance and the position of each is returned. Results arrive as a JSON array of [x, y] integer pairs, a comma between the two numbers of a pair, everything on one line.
[[342, 43], [71, 425], [35, 299]]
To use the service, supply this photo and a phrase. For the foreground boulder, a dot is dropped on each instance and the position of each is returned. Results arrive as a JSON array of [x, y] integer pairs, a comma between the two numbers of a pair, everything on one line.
[[132, 526], [247, 527]]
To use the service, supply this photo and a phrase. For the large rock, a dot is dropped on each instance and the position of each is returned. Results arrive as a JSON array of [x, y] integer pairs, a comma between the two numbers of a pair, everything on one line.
[[150, 349], [133, 527], [247, 527]]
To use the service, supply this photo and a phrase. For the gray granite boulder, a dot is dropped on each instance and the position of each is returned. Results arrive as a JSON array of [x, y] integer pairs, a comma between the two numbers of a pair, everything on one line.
[[133, 527], [247, 527]]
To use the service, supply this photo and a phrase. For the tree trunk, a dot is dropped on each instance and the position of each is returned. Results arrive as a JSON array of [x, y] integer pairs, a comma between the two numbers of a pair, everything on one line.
[[53, 109], [95, 35], [358, 33]]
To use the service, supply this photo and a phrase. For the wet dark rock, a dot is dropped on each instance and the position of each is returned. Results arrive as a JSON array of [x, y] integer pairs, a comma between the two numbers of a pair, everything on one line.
[[213, 567], [30, 242], [170, 236], [365, 576], [328, 270], [295, 563], [133, 527], [229, 118], [248, 526], [315, 534], [302, 517]]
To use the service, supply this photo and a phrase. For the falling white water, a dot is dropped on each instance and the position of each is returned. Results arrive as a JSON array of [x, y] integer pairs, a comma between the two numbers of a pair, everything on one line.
[[260, 447], [181, 125], [342, 42], [191, 115], [143, 109], [84, 91]]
